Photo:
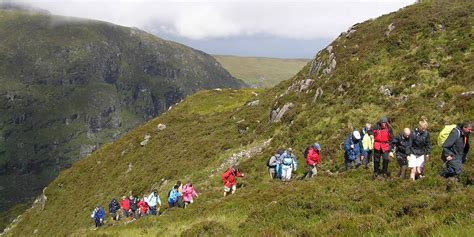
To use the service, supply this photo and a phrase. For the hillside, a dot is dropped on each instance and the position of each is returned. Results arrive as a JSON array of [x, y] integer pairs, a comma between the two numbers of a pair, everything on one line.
[[412, 63], [261, 72], [70, 85]]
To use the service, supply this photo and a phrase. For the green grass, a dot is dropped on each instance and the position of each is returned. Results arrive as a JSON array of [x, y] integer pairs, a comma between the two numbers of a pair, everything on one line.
[[202, 133], [261, 72]]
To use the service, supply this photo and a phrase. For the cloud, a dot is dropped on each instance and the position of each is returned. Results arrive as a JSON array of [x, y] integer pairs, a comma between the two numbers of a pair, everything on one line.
[[225, 18]]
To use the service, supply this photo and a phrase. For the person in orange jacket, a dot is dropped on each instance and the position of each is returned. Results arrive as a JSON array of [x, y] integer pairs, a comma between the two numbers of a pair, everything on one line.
[[228, 178]]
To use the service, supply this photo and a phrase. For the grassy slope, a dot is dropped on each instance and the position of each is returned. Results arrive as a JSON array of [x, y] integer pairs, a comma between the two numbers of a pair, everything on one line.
[[261, 72], [345, 204], [68, 83]]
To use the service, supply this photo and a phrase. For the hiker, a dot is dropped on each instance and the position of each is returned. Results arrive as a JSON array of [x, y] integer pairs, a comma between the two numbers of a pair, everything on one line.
[[420, 150], [133, 207], [173, 196], [382, 137], [401, 145], [114, 207], [228, 178], [142, 207], [279, 161], [98, 215], [352, 148], [154, 202], [455, 150], [272, 164], [313, 160], [367, 145], [189, 193], [125, 205], [180, 186], [288, 165]]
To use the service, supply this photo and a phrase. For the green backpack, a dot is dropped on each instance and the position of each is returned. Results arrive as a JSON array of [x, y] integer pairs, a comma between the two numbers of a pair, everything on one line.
[[444, 134]]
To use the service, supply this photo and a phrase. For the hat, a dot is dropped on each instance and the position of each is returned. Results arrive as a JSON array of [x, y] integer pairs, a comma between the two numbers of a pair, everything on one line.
[[317, 146], [356, 135], [290, 149], [384, 119]]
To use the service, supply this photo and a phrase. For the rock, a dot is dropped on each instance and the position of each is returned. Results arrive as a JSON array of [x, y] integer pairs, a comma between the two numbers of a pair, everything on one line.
[[385, 90], [161, 127], [41, 200], [254, 93], [468, 93], [254, 103], [390, 28], [329, 49], [129, 168], [300, 86], [242, 155], [319, 93], [86, 150], [350, 33], [278, 113], [146, 140], [218, 89], [315, 67]]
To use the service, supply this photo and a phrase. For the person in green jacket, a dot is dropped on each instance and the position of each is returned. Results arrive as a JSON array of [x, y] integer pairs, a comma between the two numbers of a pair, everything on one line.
[[367, 145]]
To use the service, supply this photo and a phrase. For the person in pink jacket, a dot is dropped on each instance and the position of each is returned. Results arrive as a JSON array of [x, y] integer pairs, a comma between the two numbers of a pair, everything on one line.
[[189, 193]]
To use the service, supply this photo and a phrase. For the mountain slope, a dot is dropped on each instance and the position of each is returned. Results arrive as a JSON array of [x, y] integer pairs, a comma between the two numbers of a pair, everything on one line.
[[69, 85], [261, 72], [365, 73]]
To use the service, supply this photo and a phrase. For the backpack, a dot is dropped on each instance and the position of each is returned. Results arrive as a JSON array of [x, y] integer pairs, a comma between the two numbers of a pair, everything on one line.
[[306, 151], [444, 134], [268, 162], [287, 160]]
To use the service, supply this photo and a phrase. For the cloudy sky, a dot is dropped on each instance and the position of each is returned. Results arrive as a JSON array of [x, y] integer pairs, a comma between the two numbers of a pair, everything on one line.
[[247, 27]]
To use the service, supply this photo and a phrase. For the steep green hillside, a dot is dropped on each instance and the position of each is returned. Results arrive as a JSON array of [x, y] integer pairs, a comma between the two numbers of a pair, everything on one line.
[[261, 72], [412, 63], [69, 85]]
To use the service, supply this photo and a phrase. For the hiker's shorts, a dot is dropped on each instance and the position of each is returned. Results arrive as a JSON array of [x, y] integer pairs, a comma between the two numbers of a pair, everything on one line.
[[416, 161], [228, 189]]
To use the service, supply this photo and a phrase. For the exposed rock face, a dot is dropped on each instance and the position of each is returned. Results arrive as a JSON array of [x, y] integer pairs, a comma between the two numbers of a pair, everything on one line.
[[390, 28], [323, 64], [68, 88], [277, 114], [300, 86]]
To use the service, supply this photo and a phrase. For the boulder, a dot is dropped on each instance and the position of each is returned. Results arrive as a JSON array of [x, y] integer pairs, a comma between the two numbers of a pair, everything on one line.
[[390, 28], [254, 103], [146, 140], [300, 86], [278, 113], [161, 127]]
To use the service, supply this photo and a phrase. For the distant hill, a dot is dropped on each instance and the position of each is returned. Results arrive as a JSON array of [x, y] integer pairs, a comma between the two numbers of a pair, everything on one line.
[[261, 72], [69, 85], [415, 62]]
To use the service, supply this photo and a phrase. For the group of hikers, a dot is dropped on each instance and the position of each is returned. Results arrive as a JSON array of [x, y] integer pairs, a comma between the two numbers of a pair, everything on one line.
[[284, 162], [133, 207], [412, 148]]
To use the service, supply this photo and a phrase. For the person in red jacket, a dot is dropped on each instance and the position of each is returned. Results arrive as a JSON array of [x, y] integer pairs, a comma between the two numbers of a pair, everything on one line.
[[142, 207], [228, 178], [125, 205], [313, 160], [382, 137]]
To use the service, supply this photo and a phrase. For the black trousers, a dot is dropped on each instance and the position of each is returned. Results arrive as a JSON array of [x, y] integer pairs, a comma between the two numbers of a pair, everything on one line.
[[379, 154]]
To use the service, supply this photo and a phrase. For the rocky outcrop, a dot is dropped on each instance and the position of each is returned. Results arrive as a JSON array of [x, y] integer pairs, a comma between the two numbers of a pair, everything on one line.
[[300, 86], [390, 28], [323, 64], [277, 114]]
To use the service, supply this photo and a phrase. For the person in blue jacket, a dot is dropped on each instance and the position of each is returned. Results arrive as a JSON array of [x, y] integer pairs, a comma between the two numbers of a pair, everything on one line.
[[98, 215], [173, 196], [352, 148]]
